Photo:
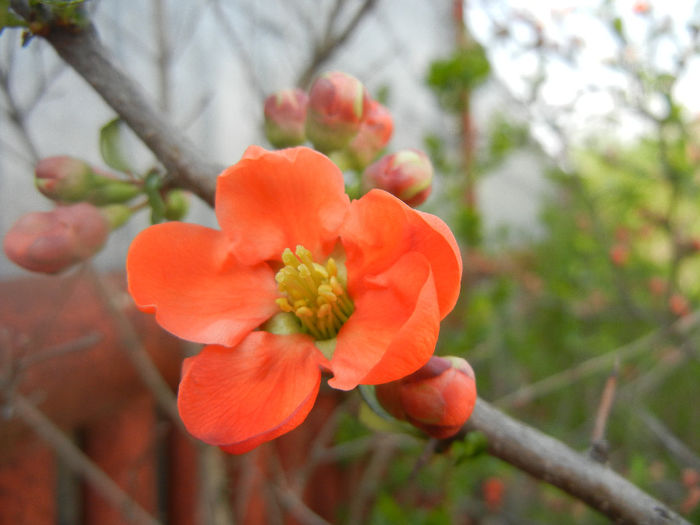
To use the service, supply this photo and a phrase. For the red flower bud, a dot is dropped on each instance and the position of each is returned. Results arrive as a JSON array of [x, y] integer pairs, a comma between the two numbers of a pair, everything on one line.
[[285, 118], [408, 174], [438, 398], [49, 242], [375, 132], [63, 178], [338, 103]]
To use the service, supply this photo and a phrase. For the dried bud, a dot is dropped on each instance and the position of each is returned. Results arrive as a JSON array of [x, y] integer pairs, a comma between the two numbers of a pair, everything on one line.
[[49, 242], [338, 103], [63, 178], [438, 398], [408, 174], [285, 118], [375, 132]]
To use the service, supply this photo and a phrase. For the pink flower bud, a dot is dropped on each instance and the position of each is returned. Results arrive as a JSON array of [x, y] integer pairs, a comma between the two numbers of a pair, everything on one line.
[[338, 103], [63, 178], [285, 118], [408, 174], [438, 398], [375, 132], [49, 242]]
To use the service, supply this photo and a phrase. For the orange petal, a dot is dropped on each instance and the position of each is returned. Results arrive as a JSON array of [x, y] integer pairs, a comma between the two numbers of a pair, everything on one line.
[[434, 239], [238, 398], [272, 200], [380, 228], [198, 291], [394, 327]]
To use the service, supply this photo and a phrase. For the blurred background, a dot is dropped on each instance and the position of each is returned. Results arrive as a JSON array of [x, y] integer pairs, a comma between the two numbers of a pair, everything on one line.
[[566, 145]]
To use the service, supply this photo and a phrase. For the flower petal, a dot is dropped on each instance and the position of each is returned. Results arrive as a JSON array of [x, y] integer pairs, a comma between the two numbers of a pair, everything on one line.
[[272, 200], [394, 328], [238, 398], [380, 228], [198, 291]]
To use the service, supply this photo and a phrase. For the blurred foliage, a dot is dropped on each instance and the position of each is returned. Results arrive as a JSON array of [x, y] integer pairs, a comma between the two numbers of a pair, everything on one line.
[[463, 71]]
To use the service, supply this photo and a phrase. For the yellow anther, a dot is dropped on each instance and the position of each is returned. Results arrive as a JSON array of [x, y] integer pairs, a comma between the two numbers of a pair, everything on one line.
[[313, 292], [324, 310], [331, 267], [304, 311], [336, 286], [284, 305], [323, 273], [289, 259]]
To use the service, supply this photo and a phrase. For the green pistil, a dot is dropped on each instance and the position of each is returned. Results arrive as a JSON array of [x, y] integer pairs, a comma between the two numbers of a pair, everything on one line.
[[314, 293]]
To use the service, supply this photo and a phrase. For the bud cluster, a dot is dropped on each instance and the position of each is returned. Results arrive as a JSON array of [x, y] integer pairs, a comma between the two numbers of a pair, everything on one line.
[[339, 117], [90, 204]]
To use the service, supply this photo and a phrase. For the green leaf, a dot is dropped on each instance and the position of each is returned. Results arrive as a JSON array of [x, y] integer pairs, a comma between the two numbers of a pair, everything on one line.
[[8, 18], [474, 444], [112, 146]]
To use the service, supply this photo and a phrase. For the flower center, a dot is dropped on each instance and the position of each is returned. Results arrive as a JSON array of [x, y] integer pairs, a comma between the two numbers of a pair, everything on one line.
[[314, 293]]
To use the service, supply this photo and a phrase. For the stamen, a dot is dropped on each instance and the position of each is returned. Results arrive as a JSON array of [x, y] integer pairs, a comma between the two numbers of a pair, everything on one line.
[[313, 292]]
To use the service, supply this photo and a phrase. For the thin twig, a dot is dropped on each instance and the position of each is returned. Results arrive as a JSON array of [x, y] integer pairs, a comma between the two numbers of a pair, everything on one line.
[[685, 456], [599, 447], [137, 354], [373, 474], [591, 366], [331, 43], [80, 463]]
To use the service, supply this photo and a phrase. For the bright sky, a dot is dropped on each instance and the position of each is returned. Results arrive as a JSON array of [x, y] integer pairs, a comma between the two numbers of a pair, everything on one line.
[[562, 20]]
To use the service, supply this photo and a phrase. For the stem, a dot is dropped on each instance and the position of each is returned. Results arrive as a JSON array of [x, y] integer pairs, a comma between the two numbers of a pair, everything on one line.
[[552, 461]]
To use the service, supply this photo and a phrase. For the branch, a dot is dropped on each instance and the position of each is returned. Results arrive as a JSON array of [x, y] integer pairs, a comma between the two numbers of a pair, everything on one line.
[[82, 49], [516, 443], [552, 461]]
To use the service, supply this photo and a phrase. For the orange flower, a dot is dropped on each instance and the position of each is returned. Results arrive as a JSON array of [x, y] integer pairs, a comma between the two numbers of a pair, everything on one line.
[[298, 281]]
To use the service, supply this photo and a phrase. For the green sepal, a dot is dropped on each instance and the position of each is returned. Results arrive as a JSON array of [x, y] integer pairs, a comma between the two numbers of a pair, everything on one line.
[[151, 187], [113, 192]]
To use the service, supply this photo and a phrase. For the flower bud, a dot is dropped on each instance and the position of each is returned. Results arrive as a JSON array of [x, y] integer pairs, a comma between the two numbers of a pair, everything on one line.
[[375, 132], [63, 178], [176, 205], [49, 242], [285, 118], [407, 174], [338, 103], [438, 398]]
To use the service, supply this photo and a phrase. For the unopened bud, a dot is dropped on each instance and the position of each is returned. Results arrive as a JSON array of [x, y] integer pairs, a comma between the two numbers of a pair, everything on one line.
[[177, 205], [63, 178], [49, 242], [285, 118], [407, 174], [375, 132], [438, 398], [338, 103]]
